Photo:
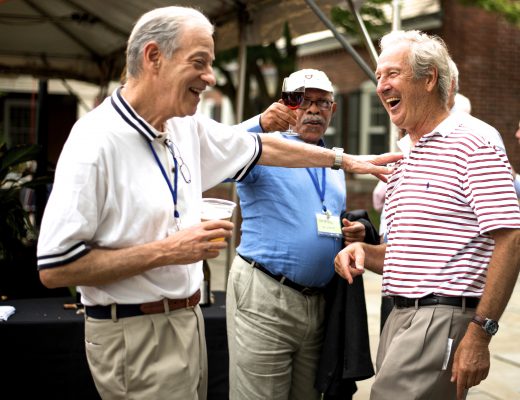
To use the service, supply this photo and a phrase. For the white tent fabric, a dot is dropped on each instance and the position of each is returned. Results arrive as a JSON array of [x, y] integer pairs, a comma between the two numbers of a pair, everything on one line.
[[85, 40]]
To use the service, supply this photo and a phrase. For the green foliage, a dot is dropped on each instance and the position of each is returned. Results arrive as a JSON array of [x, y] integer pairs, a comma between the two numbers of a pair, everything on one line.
[[509, 9], [284, 60], [371, 12], [14, 219]]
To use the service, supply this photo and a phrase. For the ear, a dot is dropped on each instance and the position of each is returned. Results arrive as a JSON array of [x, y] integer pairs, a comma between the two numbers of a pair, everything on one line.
[[334, 105], [151, 56], [431, 79]]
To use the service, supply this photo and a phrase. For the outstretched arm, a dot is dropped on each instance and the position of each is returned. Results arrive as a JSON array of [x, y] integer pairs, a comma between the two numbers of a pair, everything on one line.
[[288, 153]]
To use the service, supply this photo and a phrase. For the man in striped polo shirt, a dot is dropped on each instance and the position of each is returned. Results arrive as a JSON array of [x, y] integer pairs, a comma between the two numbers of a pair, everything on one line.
[[453, 228]]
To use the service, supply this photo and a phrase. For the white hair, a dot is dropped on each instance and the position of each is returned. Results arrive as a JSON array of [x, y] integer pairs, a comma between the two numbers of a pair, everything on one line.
[[426, 52], [164, 26]]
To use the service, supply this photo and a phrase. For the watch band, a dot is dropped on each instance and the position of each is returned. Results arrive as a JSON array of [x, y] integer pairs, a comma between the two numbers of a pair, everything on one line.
[[488, 325], [338, 159]]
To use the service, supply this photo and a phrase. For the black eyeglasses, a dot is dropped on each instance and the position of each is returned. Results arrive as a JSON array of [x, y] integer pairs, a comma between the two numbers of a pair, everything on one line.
[[321, 104], [176, 154]]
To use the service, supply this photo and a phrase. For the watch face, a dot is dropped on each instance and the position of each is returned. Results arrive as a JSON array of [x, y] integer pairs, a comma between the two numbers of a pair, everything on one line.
[[491, 326]]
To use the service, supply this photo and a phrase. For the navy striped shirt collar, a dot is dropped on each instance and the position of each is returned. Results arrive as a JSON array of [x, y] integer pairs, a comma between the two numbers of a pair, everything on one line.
[[131, 117]]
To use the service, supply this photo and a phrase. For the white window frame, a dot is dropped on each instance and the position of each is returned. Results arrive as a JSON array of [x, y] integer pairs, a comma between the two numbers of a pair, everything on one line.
[[9, 127], [368, 90]]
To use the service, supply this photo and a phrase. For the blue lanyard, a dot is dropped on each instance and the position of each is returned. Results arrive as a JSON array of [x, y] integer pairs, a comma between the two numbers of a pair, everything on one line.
[[173, 190], [316, 182]]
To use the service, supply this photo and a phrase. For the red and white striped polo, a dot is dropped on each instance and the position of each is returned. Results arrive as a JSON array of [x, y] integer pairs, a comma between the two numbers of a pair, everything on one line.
[[442, 201]]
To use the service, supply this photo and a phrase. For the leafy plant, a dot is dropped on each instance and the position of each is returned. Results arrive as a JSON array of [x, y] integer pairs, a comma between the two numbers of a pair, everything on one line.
[[509, 9], [15, 223], [371, 11]]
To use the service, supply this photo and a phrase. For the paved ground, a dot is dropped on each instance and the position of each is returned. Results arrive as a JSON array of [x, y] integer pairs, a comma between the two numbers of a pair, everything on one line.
[[503, 382]]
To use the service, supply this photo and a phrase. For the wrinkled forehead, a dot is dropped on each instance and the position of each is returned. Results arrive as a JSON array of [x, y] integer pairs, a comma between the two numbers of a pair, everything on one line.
[[394, 57], [194, 40]]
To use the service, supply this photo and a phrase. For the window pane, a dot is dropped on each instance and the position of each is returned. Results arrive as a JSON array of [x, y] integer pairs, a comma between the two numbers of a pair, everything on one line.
[[378, 143], [378, 115], [18, 122]]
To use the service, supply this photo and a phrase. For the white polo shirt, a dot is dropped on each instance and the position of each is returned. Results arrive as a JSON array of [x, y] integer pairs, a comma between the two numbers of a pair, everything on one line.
[[443, 198], [109, 191], [481, 128]]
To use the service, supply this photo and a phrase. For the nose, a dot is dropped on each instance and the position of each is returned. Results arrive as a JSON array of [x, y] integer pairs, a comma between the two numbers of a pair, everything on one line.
[[209, 77], [380, 86], [313, 108]]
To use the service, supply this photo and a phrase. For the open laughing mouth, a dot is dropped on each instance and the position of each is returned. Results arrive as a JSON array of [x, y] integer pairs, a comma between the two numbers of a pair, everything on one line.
[[196, 91], [393, 102]]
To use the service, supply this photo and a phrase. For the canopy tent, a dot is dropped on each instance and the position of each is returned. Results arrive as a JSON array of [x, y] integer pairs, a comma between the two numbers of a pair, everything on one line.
[[86, 40]]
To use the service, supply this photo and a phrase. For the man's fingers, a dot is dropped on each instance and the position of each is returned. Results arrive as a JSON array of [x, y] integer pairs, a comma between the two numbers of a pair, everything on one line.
[[382, 178], [341, 266], [383, 159], [461, 389], [359, 261]]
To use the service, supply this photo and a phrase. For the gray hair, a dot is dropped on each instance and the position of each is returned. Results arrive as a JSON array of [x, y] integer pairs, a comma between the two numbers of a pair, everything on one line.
[[454, 71], [164, 26], [426, 52]]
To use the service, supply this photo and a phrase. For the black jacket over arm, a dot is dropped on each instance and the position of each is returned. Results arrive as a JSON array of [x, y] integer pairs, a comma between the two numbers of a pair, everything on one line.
[[345, 355]]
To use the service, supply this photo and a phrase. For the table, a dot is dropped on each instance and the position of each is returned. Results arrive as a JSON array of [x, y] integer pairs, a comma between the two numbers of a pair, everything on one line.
[[42, 351]]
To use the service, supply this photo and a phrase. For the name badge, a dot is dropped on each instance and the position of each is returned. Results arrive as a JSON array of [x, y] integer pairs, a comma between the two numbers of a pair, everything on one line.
[[328, 225]]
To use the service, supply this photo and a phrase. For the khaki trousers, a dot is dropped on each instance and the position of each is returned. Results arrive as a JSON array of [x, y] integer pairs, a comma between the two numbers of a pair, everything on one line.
[[153, 356], [274, 337], [415, 353]]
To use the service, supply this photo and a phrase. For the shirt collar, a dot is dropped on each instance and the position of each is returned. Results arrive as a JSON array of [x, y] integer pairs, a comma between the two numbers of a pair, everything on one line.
[[132, 118], [405, 145], [447, 126]]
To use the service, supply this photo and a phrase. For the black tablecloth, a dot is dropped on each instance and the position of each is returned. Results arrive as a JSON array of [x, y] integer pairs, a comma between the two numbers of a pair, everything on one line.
[[42, 351]]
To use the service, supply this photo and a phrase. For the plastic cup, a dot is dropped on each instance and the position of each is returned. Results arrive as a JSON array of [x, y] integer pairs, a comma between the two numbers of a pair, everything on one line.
[[217, 209]]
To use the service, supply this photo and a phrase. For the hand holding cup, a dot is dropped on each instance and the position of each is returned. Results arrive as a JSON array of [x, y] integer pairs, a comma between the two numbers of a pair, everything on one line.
[[213, 209]]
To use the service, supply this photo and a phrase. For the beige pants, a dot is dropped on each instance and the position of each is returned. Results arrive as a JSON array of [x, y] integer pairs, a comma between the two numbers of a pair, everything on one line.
[[274, 337], [155, 356], [415, 353]]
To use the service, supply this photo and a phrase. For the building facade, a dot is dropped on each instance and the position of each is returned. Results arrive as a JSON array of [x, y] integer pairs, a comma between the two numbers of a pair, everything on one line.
[[486, 49]]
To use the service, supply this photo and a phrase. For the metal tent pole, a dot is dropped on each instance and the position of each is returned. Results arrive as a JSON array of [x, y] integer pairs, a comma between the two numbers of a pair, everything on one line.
[[368, 42], [341, 39], [239, 114]]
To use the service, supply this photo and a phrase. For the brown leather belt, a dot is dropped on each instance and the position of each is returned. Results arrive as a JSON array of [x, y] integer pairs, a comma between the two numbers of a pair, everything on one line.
[[132, 310]]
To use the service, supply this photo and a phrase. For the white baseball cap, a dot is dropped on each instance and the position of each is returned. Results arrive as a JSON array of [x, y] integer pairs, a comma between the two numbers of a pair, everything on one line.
[[310, 78]]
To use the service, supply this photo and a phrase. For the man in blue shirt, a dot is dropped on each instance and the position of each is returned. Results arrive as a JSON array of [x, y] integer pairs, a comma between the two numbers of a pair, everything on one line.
[[291, 232]]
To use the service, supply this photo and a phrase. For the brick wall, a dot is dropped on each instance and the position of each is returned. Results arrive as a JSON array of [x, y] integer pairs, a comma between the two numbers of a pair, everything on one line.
[[340, 67], [486, 49]]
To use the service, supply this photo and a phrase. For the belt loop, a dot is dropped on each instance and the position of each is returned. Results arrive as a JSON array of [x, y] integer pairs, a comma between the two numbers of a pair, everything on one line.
[[416, 304], [463, 305], [166, 305], [282, 280], [113, 312]]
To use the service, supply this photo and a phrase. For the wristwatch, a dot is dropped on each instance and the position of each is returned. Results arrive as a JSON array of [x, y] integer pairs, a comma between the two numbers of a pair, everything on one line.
[[490, 326], [338, 160]]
